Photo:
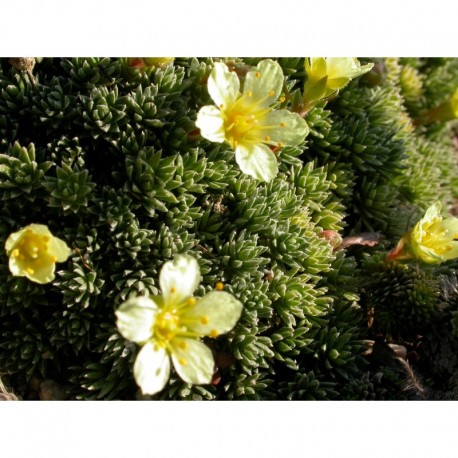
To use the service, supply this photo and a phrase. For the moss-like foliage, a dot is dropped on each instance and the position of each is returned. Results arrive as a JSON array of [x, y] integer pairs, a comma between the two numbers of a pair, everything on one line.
[[108, 156]]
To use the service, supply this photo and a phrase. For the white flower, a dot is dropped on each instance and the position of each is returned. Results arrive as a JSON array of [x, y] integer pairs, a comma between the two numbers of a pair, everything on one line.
[[248, 121], [169, 326]]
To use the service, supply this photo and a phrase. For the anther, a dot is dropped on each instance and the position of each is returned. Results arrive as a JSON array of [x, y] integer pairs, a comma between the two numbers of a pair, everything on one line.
[[213, 333], [267, 138], [183, 345], [172, 289], [280, 144], [182, 361], [219, 285], [271, 93], [15, 252], [282, 99], [204, 320], [282, 124], [53, 258], [30, 271], [257, 74], [192, 301], [249, 94]]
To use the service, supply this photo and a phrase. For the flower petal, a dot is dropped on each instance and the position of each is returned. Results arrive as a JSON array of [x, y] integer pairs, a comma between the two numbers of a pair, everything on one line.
[[214, 314], [316, 67], [451, 227], [41, 273], [152, 368], [179, 279], [135, 319], [341, 67], [432, 212], [223, 85], [40, 229], [257, 160], [192, 360], [335, 84], [59, 249], [426, 254], [285, 127], [211, 123], [264, 83], [452, 253], [13, 239]]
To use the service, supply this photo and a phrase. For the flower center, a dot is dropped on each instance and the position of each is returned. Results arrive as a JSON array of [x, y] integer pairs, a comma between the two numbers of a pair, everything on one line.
[[243, 120], [239, 125], [166, 325], [32, 251]]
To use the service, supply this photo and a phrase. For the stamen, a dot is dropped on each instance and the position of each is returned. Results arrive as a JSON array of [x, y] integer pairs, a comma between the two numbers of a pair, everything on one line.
[[182, 361], [183, 345], [271, 93], [192, 301], [219, 285], [249, 94], [282, 99], [267, 138], [15, 252], [282, 124], [204, 320], [172, 289], [280, 144], [213, 333], [257, 74], [30, 271]]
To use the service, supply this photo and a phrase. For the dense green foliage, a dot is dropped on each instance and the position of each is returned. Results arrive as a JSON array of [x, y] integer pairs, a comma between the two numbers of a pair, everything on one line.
[[109, 157]]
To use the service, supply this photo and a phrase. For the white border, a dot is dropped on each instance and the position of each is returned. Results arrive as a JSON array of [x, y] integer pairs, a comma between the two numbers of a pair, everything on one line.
[[227, 429], [229, 27]]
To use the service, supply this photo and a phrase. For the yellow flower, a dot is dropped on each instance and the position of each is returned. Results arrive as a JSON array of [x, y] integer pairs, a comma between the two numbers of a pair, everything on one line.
[[169, 326], [327, 75], [432, 240], [34, 251], [248, 121]]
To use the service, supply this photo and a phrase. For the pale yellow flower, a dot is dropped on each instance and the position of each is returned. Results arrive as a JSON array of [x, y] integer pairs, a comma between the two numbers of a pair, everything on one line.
[[432, 240], [33, 252], [327, 75], [248, 120], [169, 327]]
